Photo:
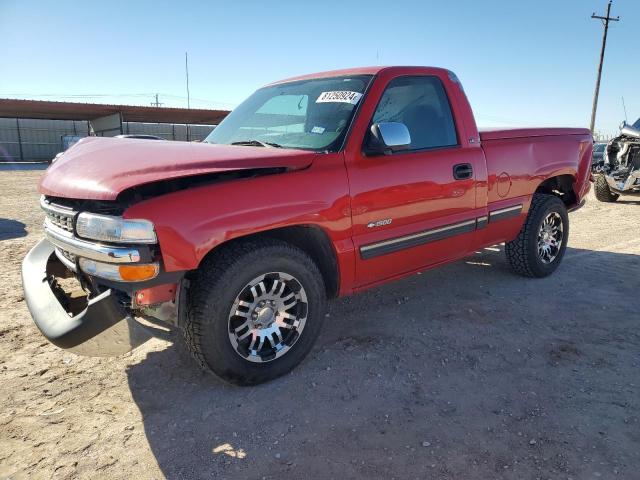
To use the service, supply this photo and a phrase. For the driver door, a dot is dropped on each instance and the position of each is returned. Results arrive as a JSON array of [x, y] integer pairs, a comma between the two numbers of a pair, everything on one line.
[[413, 208]]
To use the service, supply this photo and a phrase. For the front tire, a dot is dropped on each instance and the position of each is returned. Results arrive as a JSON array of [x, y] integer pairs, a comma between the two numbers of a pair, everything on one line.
[[255, 310], [602, 190], [539, 247]]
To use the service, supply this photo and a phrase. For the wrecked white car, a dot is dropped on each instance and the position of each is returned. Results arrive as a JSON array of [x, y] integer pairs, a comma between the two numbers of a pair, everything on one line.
[[618, 172]]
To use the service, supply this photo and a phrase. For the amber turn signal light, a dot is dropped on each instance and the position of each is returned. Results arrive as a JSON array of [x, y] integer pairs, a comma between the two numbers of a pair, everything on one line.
[[136, 273]]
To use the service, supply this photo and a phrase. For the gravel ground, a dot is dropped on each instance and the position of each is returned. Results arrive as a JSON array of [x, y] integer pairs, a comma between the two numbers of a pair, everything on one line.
[[464, 372]]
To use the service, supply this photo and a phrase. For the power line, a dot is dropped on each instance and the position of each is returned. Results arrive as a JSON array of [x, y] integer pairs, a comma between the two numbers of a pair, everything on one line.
[[605, 22], [106, 95], [212, 102], [84, 95]]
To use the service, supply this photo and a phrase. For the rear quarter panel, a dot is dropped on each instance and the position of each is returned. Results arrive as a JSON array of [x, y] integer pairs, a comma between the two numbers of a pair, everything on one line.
[[517, 166], [524, 163]]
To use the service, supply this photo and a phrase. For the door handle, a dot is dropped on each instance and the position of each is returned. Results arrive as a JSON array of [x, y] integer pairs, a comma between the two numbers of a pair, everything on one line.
[[462, 171]]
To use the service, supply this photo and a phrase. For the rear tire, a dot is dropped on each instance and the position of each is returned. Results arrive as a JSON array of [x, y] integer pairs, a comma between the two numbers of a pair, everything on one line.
[[539, 247], [254, 311], [602, 190]]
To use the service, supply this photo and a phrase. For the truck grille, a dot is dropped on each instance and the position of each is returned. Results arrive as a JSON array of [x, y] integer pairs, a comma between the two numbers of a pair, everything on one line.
[[61, 217]]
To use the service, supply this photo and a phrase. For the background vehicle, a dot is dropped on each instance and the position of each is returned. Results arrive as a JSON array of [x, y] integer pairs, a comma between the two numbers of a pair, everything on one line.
[[618, 172], [314, 187], [599, 150]]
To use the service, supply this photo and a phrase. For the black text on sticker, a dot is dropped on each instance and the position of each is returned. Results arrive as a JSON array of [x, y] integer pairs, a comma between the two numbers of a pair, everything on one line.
[[339, 96]]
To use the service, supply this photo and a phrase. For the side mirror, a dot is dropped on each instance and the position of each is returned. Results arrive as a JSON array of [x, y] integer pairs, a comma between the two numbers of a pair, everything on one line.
[[388, 137]]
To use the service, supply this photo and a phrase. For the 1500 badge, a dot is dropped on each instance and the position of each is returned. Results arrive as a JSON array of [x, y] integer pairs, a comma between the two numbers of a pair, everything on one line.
[[380, 223]]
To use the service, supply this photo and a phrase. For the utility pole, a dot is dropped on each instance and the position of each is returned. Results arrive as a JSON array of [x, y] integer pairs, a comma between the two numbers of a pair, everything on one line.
[[605, 22], [186, 69], [156, 103]]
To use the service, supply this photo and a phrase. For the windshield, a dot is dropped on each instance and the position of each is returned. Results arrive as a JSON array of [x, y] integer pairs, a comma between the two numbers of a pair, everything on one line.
[[310, 115], [637, 124]]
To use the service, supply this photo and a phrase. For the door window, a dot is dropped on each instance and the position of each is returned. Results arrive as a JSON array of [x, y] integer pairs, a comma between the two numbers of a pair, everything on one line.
[[421, 104]]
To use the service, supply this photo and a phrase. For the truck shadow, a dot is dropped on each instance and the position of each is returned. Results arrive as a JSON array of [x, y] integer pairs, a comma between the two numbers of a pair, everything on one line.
[[428, 360], [11, 229], [628, 202]]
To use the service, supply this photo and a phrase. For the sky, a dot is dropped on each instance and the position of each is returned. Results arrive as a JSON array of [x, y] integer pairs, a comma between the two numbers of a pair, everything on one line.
[[522, 63]]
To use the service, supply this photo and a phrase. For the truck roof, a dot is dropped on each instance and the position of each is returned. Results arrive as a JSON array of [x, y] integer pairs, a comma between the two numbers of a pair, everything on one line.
[[362, 71]]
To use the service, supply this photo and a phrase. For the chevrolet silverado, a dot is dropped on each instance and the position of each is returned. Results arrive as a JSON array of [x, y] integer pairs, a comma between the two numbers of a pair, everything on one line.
[[315, 187]]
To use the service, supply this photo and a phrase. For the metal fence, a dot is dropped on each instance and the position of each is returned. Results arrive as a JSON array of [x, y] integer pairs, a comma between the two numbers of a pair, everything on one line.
[[169, 131], [32, 140]]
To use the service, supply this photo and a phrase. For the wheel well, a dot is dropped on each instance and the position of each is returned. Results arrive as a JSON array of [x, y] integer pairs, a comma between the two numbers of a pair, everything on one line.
[[560, 186], [308, 238]]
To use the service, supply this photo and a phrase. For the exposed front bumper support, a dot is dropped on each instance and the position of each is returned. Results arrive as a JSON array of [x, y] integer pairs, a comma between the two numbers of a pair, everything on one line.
[[631, 184], [103, 328]]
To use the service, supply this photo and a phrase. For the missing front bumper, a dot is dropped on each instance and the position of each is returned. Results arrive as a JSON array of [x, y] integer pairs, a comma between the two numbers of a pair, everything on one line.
[[102, 329]]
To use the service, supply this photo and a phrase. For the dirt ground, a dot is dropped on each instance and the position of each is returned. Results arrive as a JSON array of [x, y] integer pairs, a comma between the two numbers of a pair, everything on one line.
[[465, 372]]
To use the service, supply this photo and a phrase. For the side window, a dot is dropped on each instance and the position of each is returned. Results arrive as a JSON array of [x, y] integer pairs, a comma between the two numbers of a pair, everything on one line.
[[422, 105]]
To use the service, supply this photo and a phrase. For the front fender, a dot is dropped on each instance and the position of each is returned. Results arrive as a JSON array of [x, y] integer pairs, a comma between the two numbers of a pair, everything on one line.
[[192, 222]]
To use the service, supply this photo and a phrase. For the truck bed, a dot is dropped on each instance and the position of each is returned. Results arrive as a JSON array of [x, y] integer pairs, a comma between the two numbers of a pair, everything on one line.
[[507, 133]]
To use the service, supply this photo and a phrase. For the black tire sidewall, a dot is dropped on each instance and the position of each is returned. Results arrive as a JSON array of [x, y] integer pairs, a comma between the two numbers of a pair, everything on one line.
[[603, 191], [552, 204], [215, 344]]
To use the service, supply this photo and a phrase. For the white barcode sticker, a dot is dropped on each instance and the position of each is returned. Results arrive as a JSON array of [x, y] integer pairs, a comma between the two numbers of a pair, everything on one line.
[[339, 96]]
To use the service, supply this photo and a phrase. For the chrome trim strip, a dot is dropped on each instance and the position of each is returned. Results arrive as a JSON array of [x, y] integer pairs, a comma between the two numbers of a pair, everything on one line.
[[416, 239], [415, 235], [504, 213], [50, 207], [409, 241], [505, 210], [94, 251]]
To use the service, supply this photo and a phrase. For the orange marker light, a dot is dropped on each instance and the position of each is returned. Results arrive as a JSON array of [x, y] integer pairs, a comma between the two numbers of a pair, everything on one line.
[[136, 273]]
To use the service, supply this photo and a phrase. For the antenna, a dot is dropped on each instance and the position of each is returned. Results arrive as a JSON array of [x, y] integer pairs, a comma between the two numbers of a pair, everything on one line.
[[625, 110]]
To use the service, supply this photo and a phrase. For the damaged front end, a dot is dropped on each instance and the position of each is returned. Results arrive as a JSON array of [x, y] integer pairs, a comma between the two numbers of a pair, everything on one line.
[[621, 163], [94, 277]]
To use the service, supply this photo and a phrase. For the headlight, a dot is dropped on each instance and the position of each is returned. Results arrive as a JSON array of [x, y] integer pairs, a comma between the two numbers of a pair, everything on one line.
[[115, 229], [120, 273]]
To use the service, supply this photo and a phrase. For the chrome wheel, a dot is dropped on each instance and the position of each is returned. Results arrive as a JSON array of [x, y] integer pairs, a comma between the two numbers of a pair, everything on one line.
[[267, 317], [550, 237]]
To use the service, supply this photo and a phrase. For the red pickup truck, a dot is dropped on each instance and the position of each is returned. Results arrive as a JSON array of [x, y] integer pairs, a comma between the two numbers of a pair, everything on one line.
[[315, 187]]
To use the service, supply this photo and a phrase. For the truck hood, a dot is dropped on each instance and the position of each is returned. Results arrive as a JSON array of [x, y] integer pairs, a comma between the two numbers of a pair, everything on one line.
[[98, 168]]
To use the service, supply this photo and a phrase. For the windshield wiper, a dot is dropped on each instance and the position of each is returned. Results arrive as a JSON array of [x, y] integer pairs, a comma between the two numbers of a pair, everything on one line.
[[257, 143]]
